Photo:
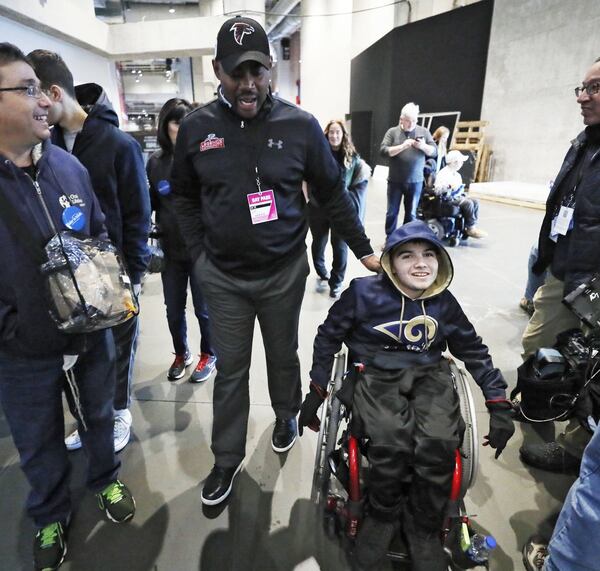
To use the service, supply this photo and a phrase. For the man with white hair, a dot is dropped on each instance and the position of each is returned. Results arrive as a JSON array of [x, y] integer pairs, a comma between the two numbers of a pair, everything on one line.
[[407, 145]]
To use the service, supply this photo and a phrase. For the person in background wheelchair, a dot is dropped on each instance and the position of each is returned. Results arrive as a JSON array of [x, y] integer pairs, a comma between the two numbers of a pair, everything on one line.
[[449, 184], [398, 324]]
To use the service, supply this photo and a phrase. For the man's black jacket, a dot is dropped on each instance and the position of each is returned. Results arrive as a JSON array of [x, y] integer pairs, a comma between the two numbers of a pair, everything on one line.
[[214, 171], [583, 257]]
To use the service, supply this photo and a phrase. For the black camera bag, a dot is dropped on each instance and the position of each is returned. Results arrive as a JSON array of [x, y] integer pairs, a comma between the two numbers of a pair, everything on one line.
[[549, 398]]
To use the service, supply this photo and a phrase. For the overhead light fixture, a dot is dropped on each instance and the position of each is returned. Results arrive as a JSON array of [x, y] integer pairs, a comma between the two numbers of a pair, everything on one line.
[[133, 71], [171, 10], [137, 79]]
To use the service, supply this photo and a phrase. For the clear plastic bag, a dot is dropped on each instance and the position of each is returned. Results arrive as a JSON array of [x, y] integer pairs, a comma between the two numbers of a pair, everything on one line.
[[87, 284]]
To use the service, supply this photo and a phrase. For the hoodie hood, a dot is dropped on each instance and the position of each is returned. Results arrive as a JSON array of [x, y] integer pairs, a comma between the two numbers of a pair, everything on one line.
[[95, 102], [418, 230]]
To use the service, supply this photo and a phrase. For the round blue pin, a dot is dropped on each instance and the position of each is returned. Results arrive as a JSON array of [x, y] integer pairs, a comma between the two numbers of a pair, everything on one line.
[[164, 187], [73, 218]]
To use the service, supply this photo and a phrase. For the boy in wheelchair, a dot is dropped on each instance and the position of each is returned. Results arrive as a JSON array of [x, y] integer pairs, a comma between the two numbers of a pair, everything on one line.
[[397, 324], [448, 182]]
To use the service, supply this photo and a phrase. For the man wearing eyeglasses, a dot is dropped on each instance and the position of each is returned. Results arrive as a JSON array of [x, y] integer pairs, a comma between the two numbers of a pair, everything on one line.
[[36, 180], [569, 247]]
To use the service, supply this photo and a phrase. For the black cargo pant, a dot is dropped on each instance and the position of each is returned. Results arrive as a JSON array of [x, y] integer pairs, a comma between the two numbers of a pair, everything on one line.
[[412, 418]]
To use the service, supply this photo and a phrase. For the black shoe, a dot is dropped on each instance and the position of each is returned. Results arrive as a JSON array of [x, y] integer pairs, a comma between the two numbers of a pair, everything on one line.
[[549, 456], [285, 433], [49, 547], [535, 552], [373, 541], [335, 292], [218, 484]]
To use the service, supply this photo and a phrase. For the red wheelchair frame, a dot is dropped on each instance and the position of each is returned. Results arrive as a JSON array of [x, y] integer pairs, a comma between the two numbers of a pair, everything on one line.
[[343, 511]]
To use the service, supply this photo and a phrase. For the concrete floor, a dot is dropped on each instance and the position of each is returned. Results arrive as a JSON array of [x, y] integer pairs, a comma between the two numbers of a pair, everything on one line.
[[269, 522]]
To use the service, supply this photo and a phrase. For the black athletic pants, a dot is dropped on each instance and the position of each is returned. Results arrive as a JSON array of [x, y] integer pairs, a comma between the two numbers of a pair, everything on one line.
[[412, 418]]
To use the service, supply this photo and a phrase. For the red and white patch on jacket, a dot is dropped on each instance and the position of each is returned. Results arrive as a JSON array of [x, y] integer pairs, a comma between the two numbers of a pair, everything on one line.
[[212, 142]]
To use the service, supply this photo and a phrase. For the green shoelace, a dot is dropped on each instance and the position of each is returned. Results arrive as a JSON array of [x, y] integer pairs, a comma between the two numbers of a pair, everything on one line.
[[113, 493], [50, 534]]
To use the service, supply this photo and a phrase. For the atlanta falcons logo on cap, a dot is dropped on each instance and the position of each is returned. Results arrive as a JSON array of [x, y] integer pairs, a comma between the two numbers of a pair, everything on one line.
[[240, 29]]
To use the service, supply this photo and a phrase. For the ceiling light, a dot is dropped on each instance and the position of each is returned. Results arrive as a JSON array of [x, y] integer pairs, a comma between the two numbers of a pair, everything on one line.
[[171, 10], [133, 71]]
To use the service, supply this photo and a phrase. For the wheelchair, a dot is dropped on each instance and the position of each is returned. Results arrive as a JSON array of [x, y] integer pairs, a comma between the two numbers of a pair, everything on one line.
[[442, 216], [340, 472]]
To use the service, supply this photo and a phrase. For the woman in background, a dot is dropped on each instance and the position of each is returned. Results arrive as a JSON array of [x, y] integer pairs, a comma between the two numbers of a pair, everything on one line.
[[356, 178], [178, 267]]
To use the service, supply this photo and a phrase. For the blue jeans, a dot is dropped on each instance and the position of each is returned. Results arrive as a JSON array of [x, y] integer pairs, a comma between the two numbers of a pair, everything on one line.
[[175, 279], [319, 229], [533, 281], [411, 191], [31, 396], [574, 543]]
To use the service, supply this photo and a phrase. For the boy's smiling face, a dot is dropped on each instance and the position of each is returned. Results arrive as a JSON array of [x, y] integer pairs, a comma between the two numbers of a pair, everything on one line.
[[415, 265]]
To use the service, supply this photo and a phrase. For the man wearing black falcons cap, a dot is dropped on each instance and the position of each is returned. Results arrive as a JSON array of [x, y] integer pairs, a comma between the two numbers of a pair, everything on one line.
[[237, 179]]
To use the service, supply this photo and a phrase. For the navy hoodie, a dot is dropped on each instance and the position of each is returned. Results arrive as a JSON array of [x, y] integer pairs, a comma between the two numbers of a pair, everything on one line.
[[385, 328], [116, 166], [26, 329]]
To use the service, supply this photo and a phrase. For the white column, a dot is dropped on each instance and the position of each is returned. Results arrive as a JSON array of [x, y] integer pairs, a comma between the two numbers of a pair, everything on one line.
[[254, 9], [325, 68]]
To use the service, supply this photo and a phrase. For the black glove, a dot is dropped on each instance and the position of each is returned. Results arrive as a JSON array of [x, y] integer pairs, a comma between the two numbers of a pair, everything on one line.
[[501, 426], [308, 411]]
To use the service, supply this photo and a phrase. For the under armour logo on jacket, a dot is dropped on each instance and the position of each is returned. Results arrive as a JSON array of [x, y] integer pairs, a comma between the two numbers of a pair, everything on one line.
[[240, 29], [278, 144]]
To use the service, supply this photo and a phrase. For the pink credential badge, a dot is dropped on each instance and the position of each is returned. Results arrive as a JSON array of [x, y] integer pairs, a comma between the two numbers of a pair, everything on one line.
[[262, 206]]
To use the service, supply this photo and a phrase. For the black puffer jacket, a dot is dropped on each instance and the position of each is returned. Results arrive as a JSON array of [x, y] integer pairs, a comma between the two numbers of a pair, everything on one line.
[[581, 259]]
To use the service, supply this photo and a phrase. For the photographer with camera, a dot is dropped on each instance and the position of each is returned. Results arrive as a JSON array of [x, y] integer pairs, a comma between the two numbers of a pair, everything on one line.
[[569, 247]]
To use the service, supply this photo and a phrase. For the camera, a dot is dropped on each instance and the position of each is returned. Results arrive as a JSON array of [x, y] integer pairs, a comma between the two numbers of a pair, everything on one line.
[[551, 381]]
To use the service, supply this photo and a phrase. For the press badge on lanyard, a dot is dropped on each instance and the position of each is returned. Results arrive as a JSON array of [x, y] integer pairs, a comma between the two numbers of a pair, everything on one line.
[[262, 205], [562, 222]]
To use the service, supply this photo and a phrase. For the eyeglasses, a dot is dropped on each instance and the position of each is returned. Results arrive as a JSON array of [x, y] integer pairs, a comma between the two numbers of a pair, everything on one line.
[[590, 89], [30, 90]]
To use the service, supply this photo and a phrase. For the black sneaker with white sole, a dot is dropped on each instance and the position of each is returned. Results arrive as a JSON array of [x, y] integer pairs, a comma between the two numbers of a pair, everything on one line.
[[285, 433], [116, 502], [218, 484], [50, 547]]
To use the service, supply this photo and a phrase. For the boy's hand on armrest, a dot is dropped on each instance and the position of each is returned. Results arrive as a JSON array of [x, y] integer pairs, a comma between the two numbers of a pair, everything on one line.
[[308, 411], [501, 425]]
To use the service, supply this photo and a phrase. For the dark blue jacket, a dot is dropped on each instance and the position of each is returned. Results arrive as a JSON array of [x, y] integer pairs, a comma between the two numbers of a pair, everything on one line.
[[214, 171], [26, 329], [158, 169], [116, 166], [580, 252], [385, 328]]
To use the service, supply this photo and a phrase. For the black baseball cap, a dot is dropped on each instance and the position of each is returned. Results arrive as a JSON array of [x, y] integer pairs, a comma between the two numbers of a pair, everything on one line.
[[242, 39]]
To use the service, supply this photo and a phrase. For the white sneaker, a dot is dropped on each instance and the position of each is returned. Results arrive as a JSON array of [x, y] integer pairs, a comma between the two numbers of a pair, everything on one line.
[[73, 442], [122, 429]]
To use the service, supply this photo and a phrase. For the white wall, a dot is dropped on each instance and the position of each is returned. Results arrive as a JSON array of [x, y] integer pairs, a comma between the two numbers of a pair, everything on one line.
[[325, 69], [539, 51], [85, 65]]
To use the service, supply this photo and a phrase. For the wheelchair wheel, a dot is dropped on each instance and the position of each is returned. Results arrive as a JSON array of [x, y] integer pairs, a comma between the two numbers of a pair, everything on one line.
[[469, 449], [437, 228], [331, 412], [453, 241]]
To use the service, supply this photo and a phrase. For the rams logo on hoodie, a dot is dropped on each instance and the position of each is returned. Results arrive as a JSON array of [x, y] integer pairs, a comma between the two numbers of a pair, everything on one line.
[[416, 334]]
